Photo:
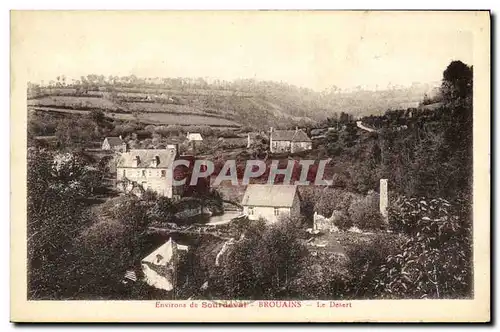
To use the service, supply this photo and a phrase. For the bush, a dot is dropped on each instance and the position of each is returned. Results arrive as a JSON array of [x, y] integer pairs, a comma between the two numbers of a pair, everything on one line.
[[365, 260], [436, 261], [341, 220], [364, 212], [333, 199]]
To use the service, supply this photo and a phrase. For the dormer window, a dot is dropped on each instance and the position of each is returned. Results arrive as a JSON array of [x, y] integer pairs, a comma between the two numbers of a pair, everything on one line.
[[156, 161]]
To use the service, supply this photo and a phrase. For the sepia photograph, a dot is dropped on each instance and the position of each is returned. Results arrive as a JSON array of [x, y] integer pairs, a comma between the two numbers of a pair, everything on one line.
[[250, 165]]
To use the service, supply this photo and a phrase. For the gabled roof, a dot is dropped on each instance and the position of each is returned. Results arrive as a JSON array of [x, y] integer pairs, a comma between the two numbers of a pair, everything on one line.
[[164, 253], [194, 137], [290, 135], [278, 195], [114, 141], [146, 158]]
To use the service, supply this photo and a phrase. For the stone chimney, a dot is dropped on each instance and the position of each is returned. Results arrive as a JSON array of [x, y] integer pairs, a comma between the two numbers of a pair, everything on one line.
[[271, 140], [384, 199]]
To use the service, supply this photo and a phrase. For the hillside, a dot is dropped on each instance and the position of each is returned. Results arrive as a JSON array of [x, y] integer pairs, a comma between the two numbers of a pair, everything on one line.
[[249, 103]]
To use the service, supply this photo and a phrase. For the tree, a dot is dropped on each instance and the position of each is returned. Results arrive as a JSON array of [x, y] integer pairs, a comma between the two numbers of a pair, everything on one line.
[[457, 82], [163, 210], [436, 259], [97, 116], [264, 263], [55, 216]]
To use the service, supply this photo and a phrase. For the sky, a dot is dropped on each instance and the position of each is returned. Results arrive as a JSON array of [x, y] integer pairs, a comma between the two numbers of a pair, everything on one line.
[[314, 49]]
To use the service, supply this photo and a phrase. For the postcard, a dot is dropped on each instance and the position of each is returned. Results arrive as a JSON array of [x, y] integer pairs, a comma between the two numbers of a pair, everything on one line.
[[250, 166]]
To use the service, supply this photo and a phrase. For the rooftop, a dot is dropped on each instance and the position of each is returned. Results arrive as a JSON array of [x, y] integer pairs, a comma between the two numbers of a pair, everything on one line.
[[194, 137], [290, 135], [114, 141], [146, 157]]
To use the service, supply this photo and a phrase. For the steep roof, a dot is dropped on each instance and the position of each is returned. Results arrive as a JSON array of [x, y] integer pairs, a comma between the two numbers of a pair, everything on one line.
[[279, 195], [114, 141], [290, 135], [146, 158], [164, 253]]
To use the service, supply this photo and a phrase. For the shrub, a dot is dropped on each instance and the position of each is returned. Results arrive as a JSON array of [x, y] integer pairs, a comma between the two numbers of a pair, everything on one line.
[[365, 260], [341, 220], [364, 212], [333, 199], [436, 261]]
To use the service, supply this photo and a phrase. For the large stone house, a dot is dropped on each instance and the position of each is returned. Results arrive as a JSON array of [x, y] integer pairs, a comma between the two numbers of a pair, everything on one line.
[[114, 144], [289, 141], [147, 169], [271, 201]]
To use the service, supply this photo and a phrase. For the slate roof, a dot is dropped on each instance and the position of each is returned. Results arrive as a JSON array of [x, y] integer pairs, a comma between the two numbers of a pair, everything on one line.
[[114, 141], [290, 135], [146, 158], [279, 195], [164, 253]]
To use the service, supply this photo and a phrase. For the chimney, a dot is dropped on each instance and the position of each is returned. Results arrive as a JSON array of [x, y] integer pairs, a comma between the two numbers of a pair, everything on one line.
[[296, 129], [271, 140], [248, 140], [120, 137], [384, 199]]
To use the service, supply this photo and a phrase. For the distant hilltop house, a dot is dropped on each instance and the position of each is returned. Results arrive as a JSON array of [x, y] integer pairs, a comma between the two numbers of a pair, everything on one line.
[[151, 169], [114, 143], [289, 141], [271, 201], [194, 137], [321, 133]]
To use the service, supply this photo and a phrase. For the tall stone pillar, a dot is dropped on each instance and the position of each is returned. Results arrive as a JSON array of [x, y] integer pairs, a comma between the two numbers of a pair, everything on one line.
[[384, 199]]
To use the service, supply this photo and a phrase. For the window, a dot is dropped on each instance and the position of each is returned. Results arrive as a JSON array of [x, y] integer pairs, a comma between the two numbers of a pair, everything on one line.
[[250, 211], [143, 172], [163, 173], [138, 173], [149, 173], [276, 211], [124, 173]]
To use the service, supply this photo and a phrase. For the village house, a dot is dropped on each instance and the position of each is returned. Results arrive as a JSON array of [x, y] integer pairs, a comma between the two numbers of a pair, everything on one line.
[[149, 169], [289, 141], [194, 137], [271, 201], [114, 144]]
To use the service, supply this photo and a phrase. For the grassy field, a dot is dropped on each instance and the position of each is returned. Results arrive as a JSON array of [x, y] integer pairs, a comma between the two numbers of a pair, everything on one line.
[[72, 102], [154, 118], [232, 107]]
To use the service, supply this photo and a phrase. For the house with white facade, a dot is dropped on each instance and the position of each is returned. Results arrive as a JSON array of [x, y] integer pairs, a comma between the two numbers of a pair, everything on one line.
[[271, 201], [289, 141], [147, 169]]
